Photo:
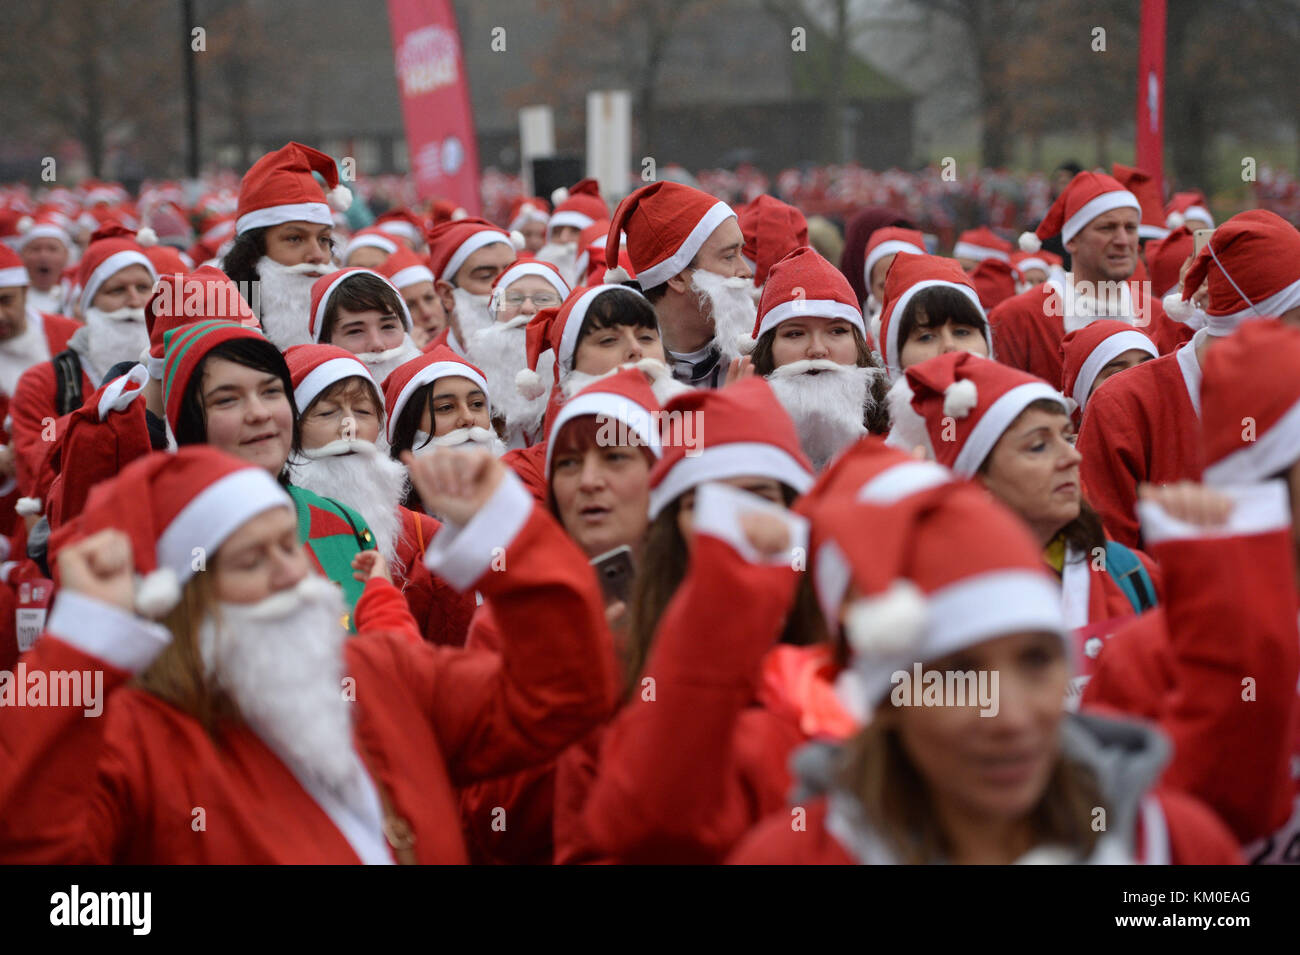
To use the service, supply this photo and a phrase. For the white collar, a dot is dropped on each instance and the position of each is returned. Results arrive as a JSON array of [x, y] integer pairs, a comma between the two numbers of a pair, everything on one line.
[[1190, 366]]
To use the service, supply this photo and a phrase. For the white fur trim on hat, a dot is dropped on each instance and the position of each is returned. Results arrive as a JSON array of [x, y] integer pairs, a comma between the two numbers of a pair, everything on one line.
[[411, 275], [339, 198], [110, 267], [1272, 451], [317, 213], [368, 240], [616, 276], [723, 461], [522, 270], [119, 394], [429, 374], [326, 374], [887, 624], [1030, 242], [1175, 220], [476, 241], [318, 319], [608, 405], [1178, 308], [572, 325], [811, 308], [569, 217], [969, 250], [1271, 307], [890, 349], [889, 247], [1107, 351], [681, 257], [997, 419], [529, 384], [157, 592], [146, 237], [13, 277], [1098, 205]]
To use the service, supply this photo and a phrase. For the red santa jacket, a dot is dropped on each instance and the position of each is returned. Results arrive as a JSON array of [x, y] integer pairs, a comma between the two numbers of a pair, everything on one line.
[[34, 403], [441, 612], [1229, 616], [1141, 426], [530, 464], [427, 719], [1028, 328]]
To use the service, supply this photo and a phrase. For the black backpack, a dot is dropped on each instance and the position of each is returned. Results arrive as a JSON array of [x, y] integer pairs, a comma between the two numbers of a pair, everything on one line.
[[67, 382]]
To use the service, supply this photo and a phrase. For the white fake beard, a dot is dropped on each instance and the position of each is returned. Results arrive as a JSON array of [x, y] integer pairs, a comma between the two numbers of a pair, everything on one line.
[[111, 337], [384, 363], [730, 304], [359, 475], [828, 408], [20, 353], [281, 662], [473, 313], [662, 383], [501, 351], [564, 256], [284, 300], [460, 438]]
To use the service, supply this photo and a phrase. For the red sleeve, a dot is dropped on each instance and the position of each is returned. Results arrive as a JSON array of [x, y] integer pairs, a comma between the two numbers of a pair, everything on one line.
[[668, 788], [32, 406], [1196, 835], [381, 607], [1135, 671], [1008, 347], [530, 465], [497, 713], [785, 839], [1114, 462]]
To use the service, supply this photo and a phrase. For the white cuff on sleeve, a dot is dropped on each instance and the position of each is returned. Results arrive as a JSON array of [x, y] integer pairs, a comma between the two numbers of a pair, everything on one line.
[[718, 508], [105, 631], [1257, 509], [461, 555]]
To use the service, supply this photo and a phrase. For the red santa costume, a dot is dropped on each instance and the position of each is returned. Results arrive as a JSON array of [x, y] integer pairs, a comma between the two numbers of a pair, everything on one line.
[[1188, 209], [981, 244], [1028, 328], [424, 719], [1142, 426], [48, 222], [1088, 350], [38, 411], [402, 224], [942, 567], [529, 798], [1144, 188], [1175, 667], [772, 230], [966, 403]]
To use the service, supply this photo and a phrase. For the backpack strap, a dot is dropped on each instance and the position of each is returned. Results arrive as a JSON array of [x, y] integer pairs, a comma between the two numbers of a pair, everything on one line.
[[67, 382], [1128, 572]]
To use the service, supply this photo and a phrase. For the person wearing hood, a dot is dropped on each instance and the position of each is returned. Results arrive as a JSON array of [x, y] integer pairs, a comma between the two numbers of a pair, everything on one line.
[[959, 670]]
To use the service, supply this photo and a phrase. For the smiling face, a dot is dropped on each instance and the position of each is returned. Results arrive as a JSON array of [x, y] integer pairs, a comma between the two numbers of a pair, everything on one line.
[[454, 403], [293, 243], [602, 494], [126, 288], [814, 337], [991, 769], [1034, 470], [261, 558], [247, 413]]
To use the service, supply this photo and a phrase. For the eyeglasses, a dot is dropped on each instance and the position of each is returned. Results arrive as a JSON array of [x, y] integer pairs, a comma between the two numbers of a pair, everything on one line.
[[540, 299]]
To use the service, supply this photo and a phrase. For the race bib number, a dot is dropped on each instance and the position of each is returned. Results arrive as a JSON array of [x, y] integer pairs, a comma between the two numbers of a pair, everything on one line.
[[33, 604]]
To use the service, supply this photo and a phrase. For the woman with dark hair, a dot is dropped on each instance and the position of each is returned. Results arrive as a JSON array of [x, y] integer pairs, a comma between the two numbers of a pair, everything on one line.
[[1012, 433], [812, 347], [226, 386], [284, 237]]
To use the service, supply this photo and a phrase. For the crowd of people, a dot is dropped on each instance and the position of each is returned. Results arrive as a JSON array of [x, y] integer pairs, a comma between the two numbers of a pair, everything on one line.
[[667, 532]]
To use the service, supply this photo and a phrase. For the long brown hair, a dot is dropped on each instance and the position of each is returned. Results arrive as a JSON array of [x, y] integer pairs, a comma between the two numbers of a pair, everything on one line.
[[898, 803], [876, 417], [664, 559], [178, 674]]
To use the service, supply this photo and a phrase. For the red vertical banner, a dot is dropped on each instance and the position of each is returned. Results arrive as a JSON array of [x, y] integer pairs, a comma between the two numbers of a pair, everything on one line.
[[436, 111], [1151, 92]]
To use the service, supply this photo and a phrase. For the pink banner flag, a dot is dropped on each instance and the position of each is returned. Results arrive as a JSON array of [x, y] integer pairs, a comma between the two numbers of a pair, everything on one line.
[[435, 101], [1151, 92]]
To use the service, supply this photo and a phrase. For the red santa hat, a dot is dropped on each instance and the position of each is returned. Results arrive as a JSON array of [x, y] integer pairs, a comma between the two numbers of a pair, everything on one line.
[[405, 268], [166, 260], [803, 284], [323, 289], [578, 206], [102, 437], [12, 271], [1250, 404], [1042, 259], [184, 349], [1088, 195], [172, 506], [313, 368], [939, 567], [47, 223], [1165, 259], [454, 241], [556, 330], [1188, 205], [445, 210], [980, 244], [279, 187], [112, 249], [179, 300], [890, 241], [994, 281], [525, 267], [591, 250], [1086, 351], [528, 209], [967, 402], [1143, 186], [1253, 265], [438, 362], [371, 237], [909, 274], [748, 433], [402, 223], [666, 224], [624, 397], [772, 229], [218, 231]]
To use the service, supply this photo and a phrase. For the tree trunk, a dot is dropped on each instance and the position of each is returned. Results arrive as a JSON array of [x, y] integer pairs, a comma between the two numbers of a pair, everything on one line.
[[92, 129], [834, 144]]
